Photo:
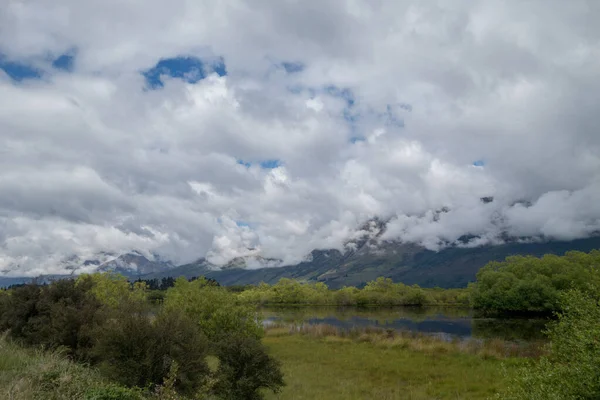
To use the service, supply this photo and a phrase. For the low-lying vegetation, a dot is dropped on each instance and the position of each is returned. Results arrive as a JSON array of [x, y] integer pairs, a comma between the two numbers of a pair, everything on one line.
[[101, 321], [416, 341], [335, 368], [534, 285], [570, 370], [381, 292], [27, 374]]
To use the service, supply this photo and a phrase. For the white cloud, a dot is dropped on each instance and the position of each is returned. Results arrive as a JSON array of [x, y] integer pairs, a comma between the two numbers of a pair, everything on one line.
[[90, 161]]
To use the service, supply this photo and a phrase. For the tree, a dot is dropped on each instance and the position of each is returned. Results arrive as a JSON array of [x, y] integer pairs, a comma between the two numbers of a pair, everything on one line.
[[530, 284], [216, 311]]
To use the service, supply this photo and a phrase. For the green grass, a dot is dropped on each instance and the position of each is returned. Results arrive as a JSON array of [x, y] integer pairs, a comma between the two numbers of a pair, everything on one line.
[[27, 374], [336, 368], [328, 367]]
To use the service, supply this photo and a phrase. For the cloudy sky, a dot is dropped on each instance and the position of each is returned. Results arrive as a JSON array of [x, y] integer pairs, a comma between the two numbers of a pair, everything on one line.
[[190, 129]]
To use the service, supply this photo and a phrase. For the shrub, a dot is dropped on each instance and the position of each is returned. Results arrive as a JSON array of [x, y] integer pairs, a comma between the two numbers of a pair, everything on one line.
[[571, 370], [245, 368], [216, 310], [57, 315], [135, 350], [17, 308], [530, 284]]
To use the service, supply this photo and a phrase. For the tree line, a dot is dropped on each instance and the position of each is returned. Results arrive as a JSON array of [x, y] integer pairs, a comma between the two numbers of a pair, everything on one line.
[[520, 284], [380, 292]]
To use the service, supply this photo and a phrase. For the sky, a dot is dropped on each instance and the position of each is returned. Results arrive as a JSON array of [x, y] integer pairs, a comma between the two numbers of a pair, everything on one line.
[[188, 129]]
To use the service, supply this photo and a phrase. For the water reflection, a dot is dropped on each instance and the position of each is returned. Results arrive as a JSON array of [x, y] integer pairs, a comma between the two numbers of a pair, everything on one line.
[[458, 322]]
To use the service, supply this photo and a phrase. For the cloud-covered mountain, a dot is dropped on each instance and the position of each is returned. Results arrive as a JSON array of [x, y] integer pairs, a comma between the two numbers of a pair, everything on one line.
[[182, 130]]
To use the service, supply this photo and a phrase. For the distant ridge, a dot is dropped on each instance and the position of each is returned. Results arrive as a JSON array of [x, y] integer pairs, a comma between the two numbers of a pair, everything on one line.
[[403, 262]]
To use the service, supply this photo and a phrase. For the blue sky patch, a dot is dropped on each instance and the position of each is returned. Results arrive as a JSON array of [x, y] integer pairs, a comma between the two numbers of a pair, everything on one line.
[[19, 71], [190, 69], [292, 67], [242, 224], [266, 164], [270, 164], [479, 163], [64, 62], [356, 139], [344, 93]]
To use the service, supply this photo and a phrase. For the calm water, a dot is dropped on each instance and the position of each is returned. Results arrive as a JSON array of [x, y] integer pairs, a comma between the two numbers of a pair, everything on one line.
[[453, 322]]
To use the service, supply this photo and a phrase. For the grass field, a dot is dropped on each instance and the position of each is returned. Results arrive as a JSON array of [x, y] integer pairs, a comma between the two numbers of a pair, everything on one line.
[[339, 368]]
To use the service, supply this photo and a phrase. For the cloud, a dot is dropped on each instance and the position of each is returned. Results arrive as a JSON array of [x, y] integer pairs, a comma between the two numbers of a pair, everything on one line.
[[303, 124]]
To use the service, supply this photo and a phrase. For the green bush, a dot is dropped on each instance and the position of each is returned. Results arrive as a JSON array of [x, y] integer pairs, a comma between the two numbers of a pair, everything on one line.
[[380, 292], [571, 370], [215, 310], [530, 284], [104, 321], [245, 368], [135, 350], [57, 315]]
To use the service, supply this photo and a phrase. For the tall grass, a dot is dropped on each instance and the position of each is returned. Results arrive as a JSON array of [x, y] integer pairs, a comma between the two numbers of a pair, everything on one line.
[[416, 341], [27, 374]]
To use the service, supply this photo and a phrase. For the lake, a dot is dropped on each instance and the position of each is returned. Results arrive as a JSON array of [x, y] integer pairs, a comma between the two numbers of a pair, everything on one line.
[[443, 321]]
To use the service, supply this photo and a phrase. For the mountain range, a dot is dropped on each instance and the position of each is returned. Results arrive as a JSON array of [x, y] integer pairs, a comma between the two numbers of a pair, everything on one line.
[[362, 259]]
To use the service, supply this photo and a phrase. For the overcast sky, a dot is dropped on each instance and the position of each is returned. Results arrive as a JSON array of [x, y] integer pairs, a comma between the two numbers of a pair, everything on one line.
[[190, 128]]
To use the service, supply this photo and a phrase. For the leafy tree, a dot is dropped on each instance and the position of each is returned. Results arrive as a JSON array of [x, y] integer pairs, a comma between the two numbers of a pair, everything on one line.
[[113, 289], [215, 309]]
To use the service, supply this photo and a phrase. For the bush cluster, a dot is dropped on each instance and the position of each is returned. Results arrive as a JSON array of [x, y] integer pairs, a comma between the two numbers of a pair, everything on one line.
[[570, 371], [380, 292], [101, 320], [530, 284]]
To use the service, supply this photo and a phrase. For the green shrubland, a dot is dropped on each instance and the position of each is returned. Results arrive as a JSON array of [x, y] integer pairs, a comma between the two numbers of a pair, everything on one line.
[[530, 284], [381, 292], [102, 321], [570, 370]]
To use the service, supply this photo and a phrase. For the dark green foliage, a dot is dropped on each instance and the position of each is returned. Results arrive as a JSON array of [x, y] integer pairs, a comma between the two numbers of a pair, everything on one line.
[[105, 321], [57, 315], [135, 350], [571, 370], [244, 368], [17, 307], [168, 282], [529, 284]]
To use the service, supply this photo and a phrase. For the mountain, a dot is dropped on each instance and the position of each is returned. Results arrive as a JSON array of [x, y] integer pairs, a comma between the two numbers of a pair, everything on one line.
[[134, 265], [366, 257], [407, 263]]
